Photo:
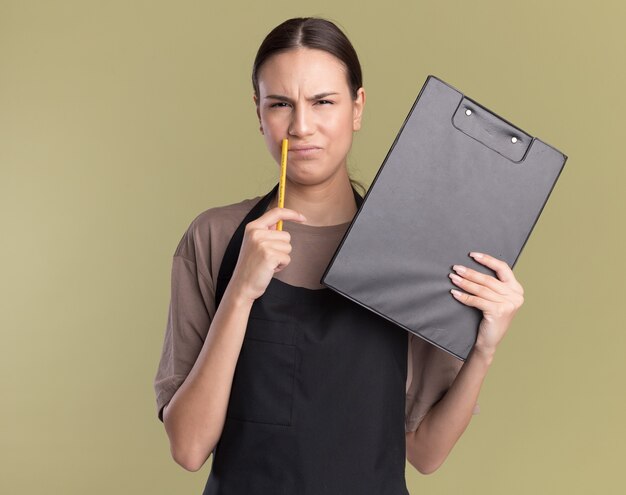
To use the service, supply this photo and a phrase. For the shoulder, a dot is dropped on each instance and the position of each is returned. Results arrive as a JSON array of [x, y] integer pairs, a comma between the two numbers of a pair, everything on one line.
[[207, 236], [222, 217]]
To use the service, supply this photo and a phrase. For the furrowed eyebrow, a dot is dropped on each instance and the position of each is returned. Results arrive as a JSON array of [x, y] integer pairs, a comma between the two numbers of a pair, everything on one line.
[[289, 100]]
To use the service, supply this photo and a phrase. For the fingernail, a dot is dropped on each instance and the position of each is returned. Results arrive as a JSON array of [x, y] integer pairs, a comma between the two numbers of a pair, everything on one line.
[[459, 268], [476, 255]]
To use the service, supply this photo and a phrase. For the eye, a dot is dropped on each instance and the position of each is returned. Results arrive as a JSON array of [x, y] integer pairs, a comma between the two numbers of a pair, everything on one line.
[[279, 104], [325, 102]]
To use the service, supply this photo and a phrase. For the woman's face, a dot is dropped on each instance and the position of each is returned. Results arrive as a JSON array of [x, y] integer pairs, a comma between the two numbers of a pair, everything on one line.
[[304, 96]]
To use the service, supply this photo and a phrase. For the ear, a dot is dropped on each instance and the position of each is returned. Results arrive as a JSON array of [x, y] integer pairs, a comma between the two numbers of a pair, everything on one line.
[[357, 112], [256, 103], [258, 112]]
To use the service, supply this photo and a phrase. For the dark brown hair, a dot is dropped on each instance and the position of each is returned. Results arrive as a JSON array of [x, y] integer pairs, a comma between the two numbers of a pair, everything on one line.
[[310, 32]]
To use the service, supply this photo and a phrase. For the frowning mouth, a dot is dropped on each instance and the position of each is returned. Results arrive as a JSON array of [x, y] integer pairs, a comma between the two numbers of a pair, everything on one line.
[[304, 151], [303, 148]]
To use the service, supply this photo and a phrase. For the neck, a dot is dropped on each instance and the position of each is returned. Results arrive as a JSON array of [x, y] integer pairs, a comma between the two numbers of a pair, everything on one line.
[[325, 204]]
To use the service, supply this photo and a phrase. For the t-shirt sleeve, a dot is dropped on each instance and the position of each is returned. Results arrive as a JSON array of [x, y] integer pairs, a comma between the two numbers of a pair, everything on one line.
[[430, 373], [191, 308]]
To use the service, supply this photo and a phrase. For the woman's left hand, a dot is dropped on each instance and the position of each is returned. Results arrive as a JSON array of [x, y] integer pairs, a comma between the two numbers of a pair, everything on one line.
[[498, 298]]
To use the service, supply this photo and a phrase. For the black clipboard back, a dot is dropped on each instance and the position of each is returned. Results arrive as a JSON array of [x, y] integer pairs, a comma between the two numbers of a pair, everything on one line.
[[457, 178]]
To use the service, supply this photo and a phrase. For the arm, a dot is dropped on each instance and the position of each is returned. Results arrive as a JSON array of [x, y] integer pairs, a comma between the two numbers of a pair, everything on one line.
[[429, 446], [499, 299], [195, 416]]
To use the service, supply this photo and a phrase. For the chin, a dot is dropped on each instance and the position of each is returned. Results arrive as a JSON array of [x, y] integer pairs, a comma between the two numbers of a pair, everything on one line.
[[311, 172], [310, 179]]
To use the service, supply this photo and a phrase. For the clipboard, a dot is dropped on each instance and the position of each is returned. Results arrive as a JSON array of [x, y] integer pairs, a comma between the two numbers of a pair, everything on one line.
[[457, 178]]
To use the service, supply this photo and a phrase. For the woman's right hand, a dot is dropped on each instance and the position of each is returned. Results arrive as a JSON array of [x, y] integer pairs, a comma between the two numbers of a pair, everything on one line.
[[264, 251]]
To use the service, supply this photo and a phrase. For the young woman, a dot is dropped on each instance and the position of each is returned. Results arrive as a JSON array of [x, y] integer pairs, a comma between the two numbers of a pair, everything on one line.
[[293, 388]]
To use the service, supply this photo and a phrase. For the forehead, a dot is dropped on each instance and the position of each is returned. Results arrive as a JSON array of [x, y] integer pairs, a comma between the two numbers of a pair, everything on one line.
[[302, 69]]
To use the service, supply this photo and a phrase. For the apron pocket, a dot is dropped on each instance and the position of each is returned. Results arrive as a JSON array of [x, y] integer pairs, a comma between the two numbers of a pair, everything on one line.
[[264, 380]]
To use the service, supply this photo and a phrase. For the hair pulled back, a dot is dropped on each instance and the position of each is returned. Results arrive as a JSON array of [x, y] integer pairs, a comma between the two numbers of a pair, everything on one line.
[[310, 32]]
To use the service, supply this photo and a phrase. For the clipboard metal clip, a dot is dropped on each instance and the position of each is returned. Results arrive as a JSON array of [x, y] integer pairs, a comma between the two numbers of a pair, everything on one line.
[[491, 130]]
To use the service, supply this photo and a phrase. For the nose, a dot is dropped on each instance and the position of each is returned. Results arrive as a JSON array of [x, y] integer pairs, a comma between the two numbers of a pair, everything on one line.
[[301, 123]]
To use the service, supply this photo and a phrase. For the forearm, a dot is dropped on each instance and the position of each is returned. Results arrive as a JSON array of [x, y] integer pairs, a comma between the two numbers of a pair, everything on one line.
[[195, 416], [443, 425]]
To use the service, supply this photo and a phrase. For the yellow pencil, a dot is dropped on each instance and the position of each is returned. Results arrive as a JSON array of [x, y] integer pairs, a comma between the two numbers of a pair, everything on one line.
[[283, 177]]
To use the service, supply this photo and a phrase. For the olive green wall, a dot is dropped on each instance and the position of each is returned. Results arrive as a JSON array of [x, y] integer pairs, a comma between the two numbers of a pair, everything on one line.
[[120, 121]]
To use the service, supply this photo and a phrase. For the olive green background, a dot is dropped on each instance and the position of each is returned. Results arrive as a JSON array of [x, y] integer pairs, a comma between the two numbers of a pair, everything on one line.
[[120, 121]]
